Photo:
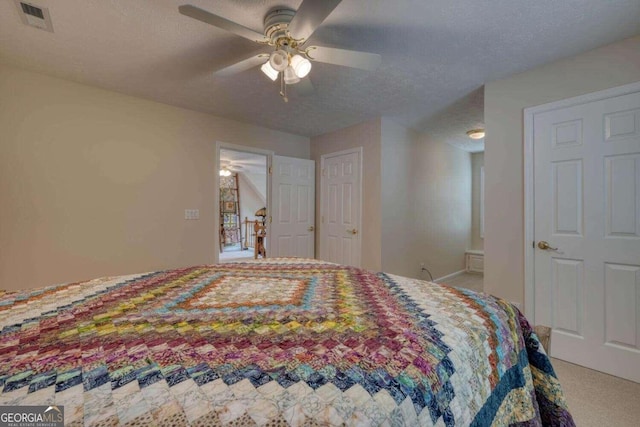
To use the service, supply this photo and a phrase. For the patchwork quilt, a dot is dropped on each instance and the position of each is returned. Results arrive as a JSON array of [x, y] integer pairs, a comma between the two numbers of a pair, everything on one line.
[[284, 342]]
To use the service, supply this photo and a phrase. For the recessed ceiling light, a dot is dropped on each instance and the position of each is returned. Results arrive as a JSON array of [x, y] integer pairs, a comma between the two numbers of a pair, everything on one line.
[[476, 133]]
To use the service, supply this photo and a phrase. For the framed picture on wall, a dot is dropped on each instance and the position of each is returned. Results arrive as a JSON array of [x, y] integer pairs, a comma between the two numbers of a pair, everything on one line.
[[229, 207]]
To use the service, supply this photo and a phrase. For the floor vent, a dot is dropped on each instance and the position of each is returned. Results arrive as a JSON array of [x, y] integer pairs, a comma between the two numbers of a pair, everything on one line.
[[34, 16]]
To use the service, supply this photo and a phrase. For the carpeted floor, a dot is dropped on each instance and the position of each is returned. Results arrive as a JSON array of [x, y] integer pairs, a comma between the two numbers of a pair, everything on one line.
[[473, 281], [234, 253], [596, 399]]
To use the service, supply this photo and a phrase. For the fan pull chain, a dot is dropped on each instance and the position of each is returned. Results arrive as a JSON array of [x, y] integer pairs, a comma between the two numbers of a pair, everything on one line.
[[283, 88]]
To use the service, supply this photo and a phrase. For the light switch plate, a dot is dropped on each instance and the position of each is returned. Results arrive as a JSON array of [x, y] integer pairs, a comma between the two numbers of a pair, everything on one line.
[[191, 214]]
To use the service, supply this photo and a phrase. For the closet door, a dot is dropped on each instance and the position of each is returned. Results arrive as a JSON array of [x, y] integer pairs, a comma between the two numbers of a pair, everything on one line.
[[341, 203]]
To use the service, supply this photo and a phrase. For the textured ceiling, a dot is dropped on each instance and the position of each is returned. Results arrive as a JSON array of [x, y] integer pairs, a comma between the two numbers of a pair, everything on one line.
[[436, 55]]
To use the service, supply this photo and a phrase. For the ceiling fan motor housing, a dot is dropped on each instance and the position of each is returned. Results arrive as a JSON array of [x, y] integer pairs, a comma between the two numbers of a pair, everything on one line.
[[276, 24]]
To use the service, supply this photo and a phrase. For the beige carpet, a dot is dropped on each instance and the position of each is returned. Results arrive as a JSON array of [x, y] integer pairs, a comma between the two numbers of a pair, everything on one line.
[[473, 281], [596, 399], [235, 254]]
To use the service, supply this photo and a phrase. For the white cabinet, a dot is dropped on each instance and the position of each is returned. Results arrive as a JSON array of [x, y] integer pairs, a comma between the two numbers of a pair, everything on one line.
[[474, 261]]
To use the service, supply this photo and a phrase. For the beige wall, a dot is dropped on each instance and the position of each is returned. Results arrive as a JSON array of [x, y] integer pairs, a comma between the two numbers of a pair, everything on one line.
[[477, 162], [250, 199], [613, 65], [95, 183], [366, 135], [416, 197], [440, 191], [399, 255]]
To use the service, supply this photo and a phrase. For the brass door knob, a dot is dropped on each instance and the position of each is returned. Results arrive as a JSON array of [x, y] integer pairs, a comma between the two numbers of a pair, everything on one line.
[[310, 228], [545, 246], [354, 231]]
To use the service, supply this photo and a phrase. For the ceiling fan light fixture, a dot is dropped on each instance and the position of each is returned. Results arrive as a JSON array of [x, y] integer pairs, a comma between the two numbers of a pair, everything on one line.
[[286, 31], [279, 60], [476, 133], [225, 171], [301, 66], [268, 70], [290, 76]]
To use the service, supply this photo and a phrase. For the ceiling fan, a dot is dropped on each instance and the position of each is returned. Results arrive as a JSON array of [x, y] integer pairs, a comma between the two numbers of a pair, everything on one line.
[[286, 32], [227, 167]]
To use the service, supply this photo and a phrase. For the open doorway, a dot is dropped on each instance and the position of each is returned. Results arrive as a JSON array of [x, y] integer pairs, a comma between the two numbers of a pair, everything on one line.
[[243, 194]]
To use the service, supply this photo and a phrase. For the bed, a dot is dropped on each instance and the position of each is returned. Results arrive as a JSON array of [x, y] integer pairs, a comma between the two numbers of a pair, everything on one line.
[[274, 342]]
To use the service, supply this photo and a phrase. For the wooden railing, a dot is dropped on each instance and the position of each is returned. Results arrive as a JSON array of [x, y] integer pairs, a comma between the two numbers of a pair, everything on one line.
[[254, 235], [249, 233]]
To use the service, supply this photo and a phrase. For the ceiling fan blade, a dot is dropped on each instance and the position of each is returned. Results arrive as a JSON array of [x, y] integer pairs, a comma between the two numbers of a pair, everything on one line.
[[304, 87], [346, 58], [309, 16], [220, 22], [242, 65]]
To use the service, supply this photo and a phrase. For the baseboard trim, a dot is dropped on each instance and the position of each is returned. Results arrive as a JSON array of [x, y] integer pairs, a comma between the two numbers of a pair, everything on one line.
[[449, 276]]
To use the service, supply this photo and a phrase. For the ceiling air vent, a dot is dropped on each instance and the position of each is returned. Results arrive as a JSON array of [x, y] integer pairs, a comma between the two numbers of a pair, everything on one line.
[[34, 16]]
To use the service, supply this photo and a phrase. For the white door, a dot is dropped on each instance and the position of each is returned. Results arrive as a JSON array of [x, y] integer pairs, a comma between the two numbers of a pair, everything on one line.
[[587, 205], [292, 208], [340, 186]]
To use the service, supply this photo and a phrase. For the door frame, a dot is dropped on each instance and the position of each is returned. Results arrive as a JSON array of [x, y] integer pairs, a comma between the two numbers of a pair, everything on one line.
[[216, 196], [323, 182], [529, 231]]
